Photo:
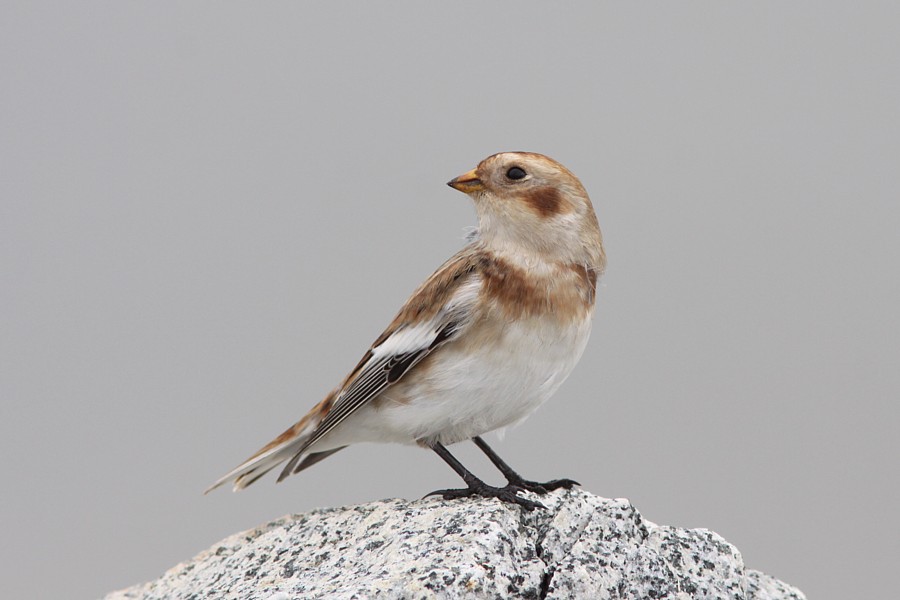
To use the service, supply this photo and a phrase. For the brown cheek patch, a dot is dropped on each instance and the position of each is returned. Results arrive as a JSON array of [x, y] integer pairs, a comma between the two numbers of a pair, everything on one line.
[[545, 201]]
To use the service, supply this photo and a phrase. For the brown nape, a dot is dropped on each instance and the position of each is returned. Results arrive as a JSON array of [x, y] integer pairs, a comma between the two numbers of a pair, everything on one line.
[[546, 201]]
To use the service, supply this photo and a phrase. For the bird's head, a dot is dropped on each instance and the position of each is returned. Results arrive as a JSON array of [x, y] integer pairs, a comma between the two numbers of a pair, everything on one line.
[[528, 202]]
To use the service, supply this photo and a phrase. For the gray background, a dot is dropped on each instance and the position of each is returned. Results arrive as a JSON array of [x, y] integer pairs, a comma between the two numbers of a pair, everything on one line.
[[209, 210]]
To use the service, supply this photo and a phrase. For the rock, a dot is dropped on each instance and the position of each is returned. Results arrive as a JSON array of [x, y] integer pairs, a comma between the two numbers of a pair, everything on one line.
[[582, 546]]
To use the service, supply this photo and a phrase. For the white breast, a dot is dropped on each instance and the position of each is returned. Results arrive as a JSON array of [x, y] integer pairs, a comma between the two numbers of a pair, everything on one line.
[[495, 380]]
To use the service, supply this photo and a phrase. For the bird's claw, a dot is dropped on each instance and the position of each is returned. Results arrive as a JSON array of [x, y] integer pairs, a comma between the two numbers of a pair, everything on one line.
[[543, 488], [507, 494]]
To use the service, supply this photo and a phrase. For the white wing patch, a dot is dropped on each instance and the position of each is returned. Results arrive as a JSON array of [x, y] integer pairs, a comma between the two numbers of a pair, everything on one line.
[[393, 358], [411, 338]]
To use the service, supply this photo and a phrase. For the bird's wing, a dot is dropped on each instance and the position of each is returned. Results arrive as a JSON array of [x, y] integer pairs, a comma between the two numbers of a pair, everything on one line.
[[435, 314], [386, 365], [439, 311]]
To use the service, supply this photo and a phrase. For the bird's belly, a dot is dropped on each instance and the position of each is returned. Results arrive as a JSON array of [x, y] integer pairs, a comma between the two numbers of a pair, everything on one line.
[[466, 389]]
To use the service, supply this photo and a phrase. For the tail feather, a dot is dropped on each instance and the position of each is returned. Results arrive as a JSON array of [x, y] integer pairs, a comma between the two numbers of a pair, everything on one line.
[[302, 460], [289, 445], [248, 472], [258, 465]]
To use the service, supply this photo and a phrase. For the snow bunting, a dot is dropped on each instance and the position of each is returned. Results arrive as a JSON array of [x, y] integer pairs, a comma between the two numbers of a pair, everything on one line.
[[480, 344]]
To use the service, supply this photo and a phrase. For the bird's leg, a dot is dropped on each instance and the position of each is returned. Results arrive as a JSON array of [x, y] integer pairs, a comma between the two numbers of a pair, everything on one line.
[[517, 481], [477, 487]]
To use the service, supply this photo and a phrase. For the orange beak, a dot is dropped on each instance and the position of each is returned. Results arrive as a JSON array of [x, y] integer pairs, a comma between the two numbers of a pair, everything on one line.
[[467, 182]]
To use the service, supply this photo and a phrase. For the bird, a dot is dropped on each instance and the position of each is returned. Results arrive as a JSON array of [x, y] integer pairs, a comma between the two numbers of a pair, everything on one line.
[[480, 345]]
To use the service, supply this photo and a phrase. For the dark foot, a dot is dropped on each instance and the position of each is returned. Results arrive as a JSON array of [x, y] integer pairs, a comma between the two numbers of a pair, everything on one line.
[[505, 494], [517, 481], [542, 488]]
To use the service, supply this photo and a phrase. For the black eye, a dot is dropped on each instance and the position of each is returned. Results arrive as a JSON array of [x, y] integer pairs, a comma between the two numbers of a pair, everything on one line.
[[515, 173]]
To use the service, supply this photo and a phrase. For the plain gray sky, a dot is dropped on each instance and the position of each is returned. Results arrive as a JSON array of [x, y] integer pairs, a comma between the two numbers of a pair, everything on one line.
[[209, 210]]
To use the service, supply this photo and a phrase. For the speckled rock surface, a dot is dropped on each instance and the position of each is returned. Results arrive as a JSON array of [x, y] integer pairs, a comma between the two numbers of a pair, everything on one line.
[[582, 546]]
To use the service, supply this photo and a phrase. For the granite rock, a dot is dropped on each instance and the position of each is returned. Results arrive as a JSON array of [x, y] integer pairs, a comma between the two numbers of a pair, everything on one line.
[[582, 546]]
